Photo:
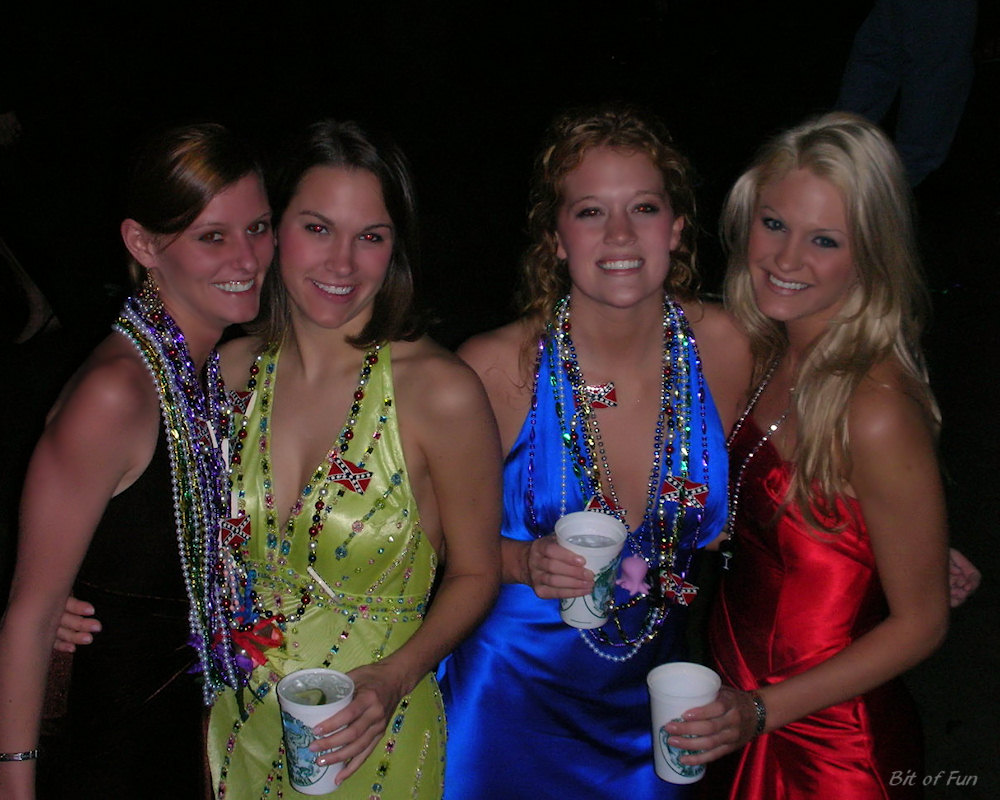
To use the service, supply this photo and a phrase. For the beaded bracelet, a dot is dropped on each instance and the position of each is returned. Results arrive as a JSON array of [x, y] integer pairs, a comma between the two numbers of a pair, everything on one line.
[[27, 755], [761, 711]]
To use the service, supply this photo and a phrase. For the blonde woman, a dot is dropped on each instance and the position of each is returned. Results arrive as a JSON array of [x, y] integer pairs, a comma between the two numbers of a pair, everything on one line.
[[839, 578]]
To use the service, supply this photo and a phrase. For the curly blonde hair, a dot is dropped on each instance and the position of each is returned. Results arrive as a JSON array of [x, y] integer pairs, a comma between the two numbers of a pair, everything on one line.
[[573, 133], [882, 318]]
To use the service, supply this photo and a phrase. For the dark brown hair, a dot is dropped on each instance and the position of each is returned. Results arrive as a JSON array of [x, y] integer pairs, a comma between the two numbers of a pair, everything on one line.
[[329, 143]]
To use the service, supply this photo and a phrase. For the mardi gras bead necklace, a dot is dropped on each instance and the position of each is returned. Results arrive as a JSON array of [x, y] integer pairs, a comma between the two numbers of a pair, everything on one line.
[[669, 498], [596, 466], [194, 420], [328, 484]]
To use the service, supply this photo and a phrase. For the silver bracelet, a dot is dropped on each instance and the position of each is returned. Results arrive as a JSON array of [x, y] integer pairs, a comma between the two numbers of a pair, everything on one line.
[[26, 755], [761, 711]]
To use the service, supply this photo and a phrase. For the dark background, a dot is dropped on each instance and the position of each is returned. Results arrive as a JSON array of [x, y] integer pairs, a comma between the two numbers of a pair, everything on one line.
[[467, 91]]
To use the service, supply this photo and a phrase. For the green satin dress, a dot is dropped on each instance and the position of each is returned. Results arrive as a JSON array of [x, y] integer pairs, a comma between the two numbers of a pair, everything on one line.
[[350, 592]]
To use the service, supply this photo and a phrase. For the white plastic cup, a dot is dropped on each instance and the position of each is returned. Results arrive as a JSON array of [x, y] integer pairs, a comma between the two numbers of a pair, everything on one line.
[[599, 538], [306, 698], [673, 689]]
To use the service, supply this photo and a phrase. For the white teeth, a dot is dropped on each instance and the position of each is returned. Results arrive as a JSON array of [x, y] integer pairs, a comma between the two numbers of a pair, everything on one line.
[[786, 284], [235, 286], [632, 263], [330, 289]]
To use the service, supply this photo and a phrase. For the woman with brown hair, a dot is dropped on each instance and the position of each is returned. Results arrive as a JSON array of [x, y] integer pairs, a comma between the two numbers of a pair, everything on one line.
[[126, 491], [367, 468]]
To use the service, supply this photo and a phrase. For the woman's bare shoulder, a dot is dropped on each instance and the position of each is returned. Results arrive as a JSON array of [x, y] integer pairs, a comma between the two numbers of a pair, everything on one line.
[[427, 363], [887, 404], [499, 354], [113, 380], [711, 320], [504, 360], [434, 382], [725, 355], [110, 405]]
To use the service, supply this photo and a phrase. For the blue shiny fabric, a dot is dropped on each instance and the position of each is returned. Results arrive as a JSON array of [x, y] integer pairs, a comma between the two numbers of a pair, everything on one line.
[[532, 711]]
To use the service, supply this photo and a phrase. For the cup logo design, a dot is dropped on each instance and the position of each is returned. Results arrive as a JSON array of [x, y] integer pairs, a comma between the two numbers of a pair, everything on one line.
[[302, 767], [598, 601], [600, 598], [671, 756]]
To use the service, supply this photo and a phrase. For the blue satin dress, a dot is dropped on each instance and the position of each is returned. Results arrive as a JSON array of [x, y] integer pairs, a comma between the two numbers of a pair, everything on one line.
[[532, 710]]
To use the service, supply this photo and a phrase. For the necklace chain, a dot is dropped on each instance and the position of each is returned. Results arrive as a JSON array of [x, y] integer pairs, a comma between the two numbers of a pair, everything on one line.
[[736, 480]]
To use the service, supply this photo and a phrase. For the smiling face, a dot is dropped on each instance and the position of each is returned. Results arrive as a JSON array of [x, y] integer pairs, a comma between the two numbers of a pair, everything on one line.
[[209, 275], [799, 253], [336, 242], [616, 228]]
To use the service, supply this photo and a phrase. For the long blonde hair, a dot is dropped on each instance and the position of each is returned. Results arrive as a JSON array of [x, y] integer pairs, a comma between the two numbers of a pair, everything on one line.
[[882, 318]]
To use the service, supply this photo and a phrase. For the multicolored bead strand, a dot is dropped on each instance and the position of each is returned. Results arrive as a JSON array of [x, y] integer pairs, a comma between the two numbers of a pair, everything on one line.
[[584, 455], [195, 419]]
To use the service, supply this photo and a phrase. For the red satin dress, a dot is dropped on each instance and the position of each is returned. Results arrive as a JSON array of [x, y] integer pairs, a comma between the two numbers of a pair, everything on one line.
[[792, 598]]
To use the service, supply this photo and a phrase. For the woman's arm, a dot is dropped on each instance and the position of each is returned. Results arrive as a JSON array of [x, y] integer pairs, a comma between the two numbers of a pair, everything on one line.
[[96, 442], [453, 458], [78, 623], [499, 359], [895, 477]]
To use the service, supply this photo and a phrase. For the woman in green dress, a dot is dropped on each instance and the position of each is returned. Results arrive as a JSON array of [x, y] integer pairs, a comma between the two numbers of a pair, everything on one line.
[[370, 467]]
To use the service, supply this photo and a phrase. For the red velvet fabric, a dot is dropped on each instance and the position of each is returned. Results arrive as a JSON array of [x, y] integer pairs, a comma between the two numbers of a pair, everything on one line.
[[794, 597]]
